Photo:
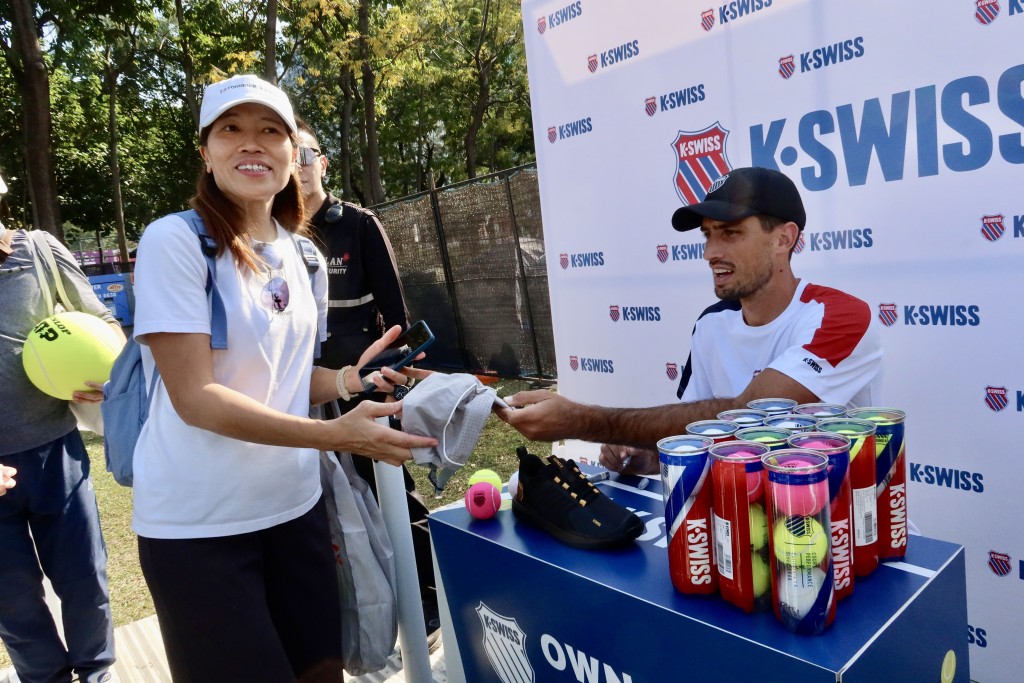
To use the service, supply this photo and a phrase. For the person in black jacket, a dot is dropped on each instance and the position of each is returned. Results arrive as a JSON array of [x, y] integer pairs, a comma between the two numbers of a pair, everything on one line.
[[364, 291], [364, 297]]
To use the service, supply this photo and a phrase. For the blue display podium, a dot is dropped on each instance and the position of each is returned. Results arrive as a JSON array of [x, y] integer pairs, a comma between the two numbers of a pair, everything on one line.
[[518, 607]]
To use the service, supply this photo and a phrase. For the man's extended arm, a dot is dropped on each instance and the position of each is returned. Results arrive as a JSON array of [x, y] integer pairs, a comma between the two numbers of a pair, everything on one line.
[[544, 416]]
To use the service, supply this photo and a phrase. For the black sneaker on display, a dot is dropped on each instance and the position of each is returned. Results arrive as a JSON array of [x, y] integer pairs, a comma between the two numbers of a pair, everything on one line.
[[556, 497]]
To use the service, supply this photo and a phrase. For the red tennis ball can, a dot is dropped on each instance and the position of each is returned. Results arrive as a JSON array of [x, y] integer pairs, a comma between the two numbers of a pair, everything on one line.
[[686, 486], [862, 489], [740, 526], [483, 500], [890, 478]]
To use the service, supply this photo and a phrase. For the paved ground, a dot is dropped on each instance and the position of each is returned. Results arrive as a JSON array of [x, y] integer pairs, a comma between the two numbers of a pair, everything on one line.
[[141, 659]]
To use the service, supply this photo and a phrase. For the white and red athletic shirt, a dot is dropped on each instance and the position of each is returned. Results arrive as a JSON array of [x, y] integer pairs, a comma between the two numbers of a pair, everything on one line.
[[826, 340]]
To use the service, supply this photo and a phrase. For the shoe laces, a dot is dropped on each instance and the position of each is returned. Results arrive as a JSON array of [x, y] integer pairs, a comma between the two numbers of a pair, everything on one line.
[[574, 481]]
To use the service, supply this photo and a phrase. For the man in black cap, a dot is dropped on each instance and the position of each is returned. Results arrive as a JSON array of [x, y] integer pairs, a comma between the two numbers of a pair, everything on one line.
[[771, 335]]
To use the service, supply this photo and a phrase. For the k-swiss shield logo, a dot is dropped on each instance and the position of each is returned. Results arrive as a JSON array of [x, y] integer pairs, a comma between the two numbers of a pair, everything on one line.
[[574, 362], [700, 161], [650, 106], [986, 12], [663, 252], [542, 25], [505, 645], [995, 398], [552, 134], [999, 563], [787, 66], [592, 63], [992, 227], [799, 246], [563, 259], [707, 19], [672, 370], [887, 314], [613, 311]]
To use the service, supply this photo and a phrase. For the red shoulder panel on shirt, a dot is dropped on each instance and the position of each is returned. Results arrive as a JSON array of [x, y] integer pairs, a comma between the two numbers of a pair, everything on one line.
[[844, 324]]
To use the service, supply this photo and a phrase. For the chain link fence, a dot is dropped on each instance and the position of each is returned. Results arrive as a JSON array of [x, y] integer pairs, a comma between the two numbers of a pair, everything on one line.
[[471, 259]]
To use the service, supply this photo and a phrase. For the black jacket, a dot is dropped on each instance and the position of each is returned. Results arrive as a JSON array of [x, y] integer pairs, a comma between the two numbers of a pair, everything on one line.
[[362, 279]]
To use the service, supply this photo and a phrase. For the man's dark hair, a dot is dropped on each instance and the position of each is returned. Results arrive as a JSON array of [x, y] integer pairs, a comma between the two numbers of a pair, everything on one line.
[[769, 223], [303, 127]]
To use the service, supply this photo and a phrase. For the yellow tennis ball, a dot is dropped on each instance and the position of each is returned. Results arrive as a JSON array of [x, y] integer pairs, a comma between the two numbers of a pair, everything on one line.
[[490, 476], [758, 527], [762, 574], [65, 350], [800, 541]]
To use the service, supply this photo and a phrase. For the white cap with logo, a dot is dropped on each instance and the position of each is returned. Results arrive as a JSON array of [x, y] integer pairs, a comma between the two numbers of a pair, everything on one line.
[[223, 95]]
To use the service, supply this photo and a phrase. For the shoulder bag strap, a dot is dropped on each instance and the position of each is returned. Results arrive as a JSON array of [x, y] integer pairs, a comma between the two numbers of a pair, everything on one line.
[[307, 252], [44, 284], [218, 318]]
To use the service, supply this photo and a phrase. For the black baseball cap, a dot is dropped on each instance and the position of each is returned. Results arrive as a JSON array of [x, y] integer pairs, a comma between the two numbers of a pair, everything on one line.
[[745, 192]]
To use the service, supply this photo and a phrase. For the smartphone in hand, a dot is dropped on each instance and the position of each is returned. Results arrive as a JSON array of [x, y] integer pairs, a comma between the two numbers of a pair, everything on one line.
[[399, 354]]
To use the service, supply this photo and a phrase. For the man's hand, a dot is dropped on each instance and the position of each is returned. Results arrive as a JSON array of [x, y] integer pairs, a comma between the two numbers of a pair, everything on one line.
[[629, 459], [6, 478], [540, 415]]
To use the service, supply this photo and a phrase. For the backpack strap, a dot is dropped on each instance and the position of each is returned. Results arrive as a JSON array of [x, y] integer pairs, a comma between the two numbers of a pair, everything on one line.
[[218, 318], [308, 253]]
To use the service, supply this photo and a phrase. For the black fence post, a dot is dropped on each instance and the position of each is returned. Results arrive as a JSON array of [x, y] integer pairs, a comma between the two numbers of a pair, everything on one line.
[[523, 281], [449, 279]]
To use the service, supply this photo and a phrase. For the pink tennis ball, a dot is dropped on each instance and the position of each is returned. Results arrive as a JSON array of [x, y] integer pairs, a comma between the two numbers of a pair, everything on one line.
[[816, 444], [483, 500], [794, 500], [755, 486]]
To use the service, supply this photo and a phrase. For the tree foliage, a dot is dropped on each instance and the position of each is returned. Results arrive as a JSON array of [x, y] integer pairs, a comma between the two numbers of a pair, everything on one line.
[[404, 95]]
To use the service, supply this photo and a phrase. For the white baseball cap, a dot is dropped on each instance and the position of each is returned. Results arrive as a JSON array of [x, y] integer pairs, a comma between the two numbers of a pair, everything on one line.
[[3, 186], [221, 96]]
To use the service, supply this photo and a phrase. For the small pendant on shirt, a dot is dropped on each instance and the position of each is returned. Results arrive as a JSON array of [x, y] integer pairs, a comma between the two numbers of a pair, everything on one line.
[[274, 295]]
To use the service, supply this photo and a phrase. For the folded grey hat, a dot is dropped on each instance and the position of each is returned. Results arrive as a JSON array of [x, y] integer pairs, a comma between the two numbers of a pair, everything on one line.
[[452, 409]]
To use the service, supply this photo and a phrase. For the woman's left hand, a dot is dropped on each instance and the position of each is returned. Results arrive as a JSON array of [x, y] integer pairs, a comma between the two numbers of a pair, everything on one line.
[[386, 379]]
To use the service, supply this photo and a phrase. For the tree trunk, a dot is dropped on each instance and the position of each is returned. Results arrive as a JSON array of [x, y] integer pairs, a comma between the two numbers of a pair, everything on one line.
[[345, 134], [371, 152], [115, 166], [476, 121], [270, 41], [35, 89], [187, 65]]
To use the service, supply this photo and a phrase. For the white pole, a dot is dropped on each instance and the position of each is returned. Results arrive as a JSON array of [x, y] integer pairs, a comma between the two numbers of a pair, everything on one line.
[[412, 632]]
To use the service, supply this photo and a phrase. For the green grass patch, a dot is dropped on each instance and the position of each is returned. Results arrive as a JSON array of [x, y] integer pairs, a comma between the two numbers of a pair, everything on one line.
[[129, 597]]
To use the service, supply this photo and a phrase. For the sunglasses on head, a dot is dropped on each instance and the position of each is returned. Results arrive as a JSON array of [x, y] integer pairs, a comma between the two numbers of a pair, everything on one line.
[[308, 155]]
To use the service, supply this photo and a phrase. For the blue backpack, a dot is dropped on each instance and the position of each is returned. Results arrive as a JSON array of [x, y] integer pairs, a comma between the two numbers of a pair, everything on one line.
[[126, 397]]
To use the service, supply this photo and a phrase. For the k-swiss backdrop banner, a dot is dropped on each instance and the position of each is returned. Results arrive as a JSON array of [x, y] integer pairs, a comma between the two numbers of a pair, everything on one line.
[[901, 123]]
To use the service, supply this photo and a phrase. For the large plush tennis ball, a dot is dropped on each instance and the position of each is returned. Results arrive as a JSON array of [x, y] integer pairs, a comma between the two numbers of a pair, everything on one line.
[[800, 542], [65, 350], [490, 476]]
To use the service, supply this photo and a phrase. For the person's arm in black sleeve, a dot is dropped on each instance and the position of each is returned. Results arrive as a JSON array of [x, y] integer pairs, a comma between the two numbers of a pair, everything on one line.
[[382, 273]]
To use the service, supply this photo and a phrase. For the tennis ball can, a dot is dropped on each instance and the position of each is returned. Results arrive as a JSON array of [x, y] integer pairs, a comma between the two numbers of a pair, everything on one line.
[[890, 478], [686, 486], [802, 577]]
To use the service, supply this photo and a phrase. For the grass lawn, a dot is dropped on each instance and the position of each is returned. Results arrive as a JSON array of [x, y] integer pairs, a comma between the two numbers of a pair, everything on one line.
[[129, 598]]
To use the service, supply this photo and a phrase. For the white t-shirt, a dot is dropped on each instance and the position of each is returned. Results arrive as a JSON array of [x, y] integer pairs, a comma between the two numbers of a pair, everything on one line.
[[193, 483], [826, 340]]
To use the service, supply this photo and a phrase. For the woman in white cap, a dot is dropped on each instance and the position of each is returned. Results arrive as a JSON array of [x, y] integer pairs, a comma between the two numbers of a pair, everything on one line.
[[233, 535]]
